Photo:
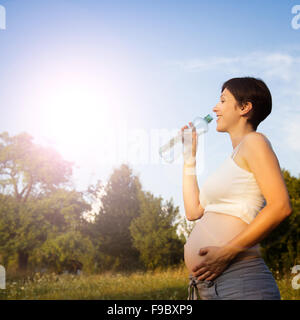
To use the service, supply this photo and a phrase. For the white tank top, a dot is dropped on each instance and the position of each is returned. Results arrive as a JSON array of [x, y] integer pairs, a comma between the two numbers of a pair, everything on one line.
[[232, 190]]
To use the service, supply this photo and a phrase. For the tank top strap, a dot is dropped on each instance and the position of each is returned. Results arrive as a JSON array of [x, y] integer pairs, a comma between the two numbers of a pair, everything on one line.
[[235, 150]]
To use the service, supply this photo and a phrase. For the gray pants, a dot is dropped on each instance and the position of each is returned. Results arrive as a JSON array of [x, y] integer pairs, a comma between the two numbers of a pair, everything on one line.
[[242, 280]]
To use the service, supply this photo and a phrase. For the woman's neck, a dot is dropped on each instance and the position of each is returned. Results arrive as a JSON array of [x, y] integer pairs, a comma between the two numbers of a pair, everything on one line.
[[236, 137]]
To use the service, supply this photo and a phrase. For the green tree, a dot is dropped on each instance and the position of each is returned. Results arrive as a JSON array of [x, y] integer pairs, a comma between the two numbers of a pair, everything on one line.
[[27, 169], [69, 251], [292, 184], [33, 203], [281, 248], [154, 232], [24, 227], [64, 209], [110, 232]]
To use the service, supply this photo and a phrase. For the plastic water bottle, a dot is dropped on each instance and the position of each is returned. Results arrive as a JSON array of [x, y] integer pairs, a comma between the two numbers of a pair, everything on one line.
[[174, 148]]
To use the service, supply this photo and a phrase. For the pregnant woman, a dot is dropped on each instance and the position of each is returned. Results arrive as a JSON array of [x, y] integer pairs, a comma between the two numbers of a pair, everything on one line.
[[238, 205]]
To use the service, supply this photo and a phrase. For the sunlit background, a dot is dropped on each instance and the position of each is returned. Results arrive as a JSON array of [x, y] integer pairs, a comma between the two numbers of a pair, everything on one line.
[[74, 74]]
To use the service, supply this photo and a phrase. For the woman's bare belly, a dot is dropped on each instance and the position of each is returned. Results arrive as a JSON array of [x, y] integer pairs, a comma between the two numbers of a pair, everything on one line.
[[213, 229]]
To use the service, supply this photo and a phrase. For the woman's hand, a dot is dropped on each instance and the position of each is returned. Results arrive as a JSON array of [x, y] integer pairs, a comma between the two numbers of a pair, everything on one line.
[[190, 144], [215, 261]]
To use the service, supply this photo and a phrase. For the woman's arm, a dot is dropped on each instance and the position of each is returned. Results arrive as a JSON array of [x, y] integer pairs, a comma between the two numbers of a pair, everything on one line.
[[263, 162], [193, 209]]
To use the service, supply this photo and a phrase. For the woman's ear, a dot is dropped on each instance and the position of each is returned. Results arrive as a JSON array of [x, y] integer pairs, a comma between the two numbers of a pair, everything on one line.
[[245, 108]]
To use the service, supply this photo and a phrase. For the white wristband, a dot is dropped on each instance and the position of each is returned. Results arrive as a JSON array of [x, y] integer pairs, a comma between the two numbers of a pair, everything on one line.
[[190, 171]]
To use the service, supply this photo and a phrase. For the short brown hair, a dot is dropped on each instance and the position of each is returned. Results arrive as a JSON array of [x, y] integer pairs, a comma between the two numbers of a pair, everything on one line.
[[248, 89]]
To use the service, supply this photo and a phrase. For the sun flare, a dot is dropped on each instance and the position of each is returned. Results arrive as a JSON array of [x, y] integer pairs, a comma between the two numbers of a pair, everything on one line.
[[75, 115]]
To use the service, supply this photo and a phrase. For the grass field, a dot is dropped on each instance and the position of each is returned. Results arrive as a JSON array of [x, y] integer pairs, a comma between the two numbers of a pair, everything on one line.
[[170, 284]]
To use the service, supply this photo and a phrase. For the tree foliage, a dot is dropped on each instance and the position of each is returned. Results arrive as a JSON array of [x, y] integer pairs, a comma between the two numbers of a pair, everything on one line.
[[24, 227], [281, 248], [119, 206], [27, 169], [33, 203], [69, 251], [154, 232]]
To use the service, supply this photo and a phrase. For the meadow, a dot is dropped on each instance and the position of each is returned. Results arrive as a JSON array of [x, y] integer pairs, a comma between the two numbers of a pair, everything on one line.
[[169, 284]]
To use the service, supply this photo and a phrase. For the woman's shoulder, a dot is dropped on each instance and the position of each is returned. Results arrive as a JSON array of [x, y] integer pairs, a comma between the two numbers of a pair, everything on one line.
[[255, 148], [257, 140]]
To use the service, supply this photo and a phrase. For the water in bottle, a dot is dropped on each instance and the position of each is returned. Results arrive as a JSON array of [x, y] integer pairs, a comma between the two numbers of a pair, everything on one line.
[[174, 148]]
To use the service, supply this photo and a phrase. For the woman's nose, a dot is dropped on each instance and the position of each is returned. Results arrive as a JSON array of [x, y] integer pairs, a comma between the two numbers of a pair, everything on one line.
[[215, 108]]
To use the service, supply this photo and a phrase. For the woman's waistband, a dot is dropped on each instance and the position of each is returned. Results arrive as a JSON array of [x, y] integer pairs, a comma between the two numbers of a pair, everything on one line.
[[248, 254]]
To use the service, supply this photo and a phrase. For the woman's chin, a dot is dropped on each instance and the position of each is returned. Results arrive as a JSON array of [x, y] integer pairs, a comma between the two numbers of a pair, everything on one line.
[[220, 129]]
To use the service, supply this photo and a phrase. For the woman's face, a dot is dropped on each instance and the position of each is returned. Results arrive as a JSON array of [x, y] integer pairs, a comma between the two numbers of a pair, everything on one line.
[[227, 114]]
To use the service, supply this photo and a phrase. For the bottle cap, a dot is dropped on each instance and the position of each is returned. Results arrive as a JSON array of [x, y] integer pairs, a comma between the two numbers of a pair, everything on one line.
[[208, 118]]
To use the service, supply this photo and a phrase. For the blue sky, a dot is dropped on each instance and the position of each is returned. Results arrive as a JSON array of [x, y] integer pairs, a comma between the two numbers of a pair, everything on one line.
[[144, 65]]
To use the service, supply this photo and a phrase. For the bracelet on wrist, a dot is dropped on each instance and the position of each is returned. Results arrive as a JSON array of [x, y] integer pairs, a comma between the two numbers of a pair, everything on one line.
[[190, 171], [190, 164]]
